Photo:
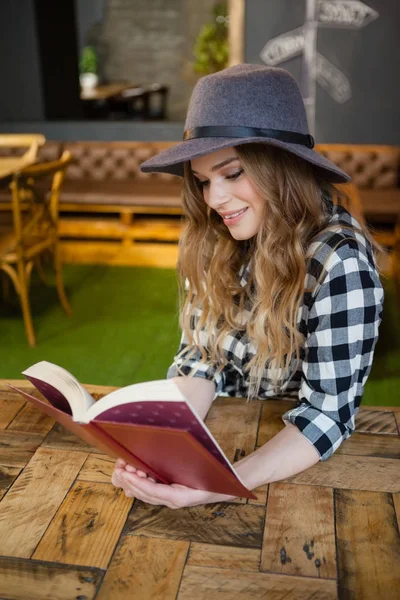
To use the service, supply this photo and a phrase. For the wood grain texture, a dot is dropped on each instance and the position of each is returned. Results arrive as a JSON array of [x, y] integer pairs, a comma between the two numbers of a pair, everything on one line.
[[7, 477], [376, 421], [144, 568], [396, 503], [222, 523], [17, 448], [67, 533], [271, 419], [368, 544], [30, 504], [234, 423], [87, 527], [356, 472], [224, 584], [8, 409], [362, 444], [224, 557], [25, 579], [97, 468], [61, 439], [31, 420], [299, 535]]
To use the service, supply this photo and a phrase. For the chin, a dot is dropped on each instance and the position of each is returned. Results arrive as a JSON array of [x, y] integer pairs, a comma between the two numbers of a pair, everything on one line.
[[243, 235]]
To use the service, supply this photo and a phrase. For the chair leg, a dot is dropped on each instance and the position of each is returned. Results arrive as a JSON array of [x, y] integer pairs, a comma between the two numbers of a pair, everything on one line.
[[25, 305], [41, 272], [5, 286], [59, 282]]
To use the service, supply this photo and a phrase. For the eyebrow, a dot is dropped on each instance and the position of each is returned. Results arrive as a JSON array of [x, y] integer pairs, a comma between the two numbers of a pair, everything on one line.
[[221, 164]]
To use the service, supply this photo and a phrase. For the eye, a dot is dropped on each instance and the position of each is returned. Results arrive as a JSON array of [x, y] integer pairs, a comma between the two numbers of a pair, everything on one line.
[[203, 184], [235, 175]]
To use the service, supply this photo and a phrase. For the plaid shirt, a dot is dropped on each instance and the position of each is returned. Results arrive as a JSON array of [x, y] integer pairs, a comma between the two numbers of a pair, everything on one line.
[[339, 320]]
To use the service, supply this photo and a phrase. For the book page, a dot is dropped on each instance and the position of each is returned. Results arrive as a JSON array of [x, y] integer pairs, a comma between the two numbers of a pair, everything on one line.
[[60, 388]]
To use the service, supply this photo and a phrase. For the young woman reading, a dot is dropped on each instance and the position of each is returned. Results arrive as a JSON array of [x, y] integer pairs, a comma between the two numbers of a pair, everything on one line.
[[282, 294]]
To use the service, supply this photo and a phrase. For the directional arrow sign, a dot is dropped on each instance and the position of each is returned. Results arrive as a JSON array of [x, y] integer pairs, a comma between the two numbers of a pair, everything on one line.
[[345, 13], [283, 47], [332, 80]]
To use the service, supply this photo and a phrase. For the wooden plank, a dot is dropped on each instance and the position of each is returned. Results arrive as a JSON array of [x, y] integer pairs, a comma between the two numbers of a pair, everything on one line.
[[7, 477], [396, 503], [30, 504], [376, 421], [224, 584], [98, 227], [61, 438], [162, 255], [368, 544], [234, 423], [363, 444], [222, 523], [17, 448], [262, 494], [299, 535], [8, 409], [224, 557], [145, 568], [21, 579], [87, 526], [271, 419], [31, 420], [98, 468], [397, 417], [356, 472]]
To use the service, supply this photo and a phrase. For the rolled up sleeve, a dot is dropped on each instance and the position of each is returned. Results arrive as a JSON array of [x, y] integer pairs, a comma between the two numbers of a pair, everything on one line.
[[341, 336]]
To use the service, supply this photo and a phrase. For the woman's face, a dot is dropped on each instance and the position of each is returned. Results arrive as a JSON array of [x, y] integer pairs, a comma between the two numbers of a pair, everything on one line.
[[228, 191]]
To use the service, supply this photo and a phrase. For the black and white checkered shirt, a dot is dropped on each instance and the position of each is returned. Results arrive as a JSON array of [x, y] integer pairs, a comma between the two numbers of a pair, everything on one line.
[[339, 320]]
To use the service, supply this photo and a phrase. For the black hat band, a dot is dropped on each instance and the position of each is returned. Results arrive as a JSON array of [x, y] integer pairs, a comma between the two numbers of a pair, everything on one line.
[[291, 137]]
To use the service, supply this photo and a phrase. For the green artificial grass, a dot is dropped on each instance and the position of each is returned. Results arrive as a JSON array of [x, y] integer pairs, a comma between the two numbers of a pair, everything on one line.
[[124, 329]]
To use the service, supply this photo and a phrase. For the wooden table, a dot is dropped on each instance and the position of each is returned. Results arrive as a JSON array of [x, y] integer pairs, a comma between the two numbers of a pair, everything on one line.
[[66, 532], [106, 91]]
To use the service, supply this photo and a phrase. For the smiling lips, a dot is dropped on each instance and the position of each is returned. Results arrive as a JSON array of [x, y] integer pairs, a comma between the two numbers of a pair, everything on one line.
[[233, 217]]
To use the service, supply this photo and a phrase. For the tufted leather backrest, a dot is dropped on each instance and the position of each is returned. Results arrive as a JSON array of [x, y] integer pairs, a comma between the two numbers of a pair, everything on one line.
[[48, 152], [370, 166], [113, 160]]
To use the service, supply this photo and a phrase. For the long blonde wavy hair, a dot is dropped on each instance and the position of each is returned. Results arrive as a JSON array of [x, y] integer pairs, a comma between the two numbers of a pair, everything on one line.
[[210, 259]]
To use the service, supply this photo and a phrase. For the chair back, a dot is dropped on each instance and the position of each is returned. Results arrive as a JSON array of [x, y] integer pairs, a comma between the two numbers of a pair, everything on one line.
[[35, 202], [24, 145]]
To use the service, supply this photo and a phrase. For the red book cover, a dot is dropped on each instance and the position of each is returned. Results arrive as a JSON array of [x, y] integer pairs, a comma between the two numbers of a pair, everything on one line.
[[164, 439]]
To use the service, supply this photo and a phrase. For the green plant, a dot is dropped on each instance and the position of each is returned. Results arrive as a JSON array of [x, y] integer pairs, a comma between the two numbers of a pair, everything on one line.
[[211, 46], [88, 60]]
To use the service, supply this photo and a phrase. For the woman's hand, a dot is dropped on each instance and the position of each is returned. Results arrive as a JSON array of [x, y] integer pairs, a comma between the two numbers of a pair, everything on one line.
[[136, 484]]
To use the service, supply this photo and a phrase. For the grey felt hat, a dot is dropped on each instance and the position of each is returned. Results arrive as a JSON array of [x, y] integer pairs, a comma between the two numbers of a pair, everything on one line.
[[240, 105]]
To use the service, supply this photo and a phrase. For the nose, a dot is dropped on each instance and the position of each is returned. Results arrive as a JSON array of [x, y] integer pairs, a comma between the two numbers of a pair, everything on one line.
[[218, 194]]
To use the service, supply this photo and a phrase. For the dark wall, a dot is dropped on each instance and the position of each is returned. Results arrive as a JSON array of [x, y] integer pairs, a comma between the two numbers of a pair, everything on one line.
[[38, 61], [21, 96], [369, 57], [89, 16]]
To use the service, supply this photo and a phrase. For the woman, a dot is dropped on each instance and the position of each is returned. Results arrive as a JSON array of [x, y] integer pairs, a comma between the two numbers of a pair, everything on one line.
[[282, 294]]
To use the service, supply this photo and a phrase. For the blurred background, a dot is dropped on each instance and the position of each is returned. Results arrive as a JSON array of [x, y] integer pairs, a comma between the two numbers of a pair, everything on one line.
[[92, 88]]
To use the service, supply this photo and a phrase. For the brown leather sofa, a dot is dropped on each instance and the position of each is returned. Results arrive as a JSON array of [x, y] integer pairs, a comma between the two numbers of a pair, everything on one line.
[[107, 199]]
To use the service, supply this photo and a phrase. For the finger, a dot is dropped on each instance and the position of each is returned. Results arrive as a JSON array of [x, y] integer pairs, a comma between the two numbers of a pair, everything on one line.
[[120, 463], [141, 474], [156, 493], [130, 468]]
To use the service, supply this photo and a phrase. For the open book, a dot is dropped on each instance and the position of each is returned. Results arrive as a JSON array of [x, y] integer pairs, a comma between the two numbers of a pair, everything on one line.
[[151, 425]]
